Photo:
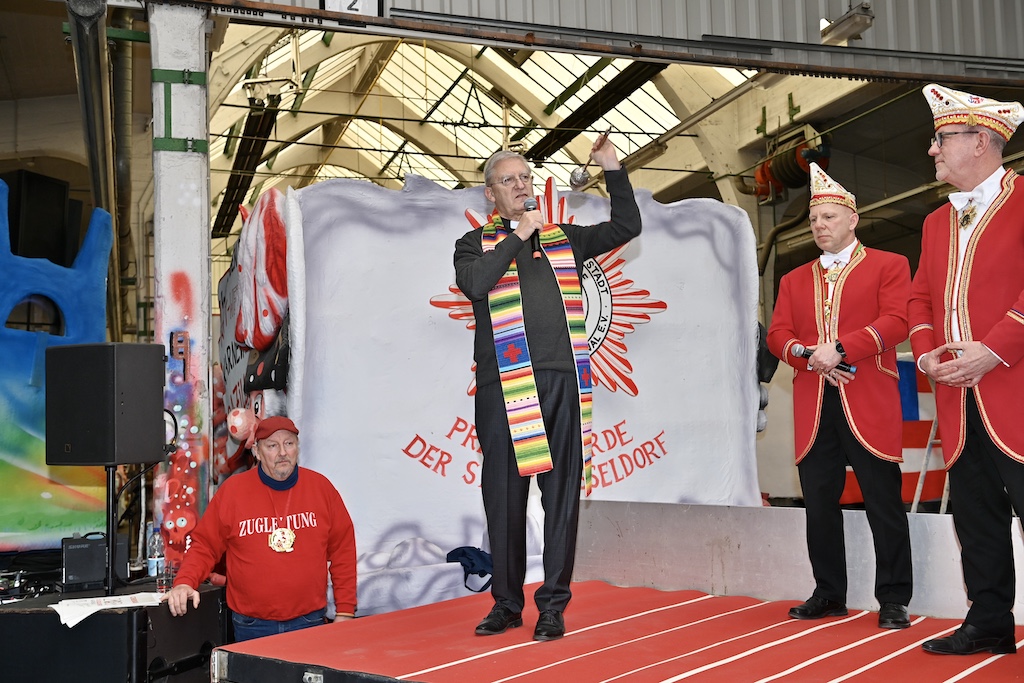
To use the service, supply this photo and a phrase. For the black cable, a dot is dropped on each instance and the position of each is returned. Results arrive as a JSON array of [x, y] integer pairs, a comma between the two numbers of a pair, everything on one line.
[[172, 445], [135, 478]]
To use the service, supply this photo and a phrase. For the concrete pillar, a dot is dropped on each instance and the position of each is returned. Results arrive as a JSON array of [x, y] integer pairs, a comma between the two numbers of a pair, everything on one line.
[[181, 166]]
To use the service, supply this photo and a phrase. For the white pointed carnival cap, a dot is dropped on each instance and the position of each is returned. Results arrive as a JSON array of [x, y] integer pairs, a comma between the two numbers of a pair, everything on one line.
[[952, 106], [824, 190]]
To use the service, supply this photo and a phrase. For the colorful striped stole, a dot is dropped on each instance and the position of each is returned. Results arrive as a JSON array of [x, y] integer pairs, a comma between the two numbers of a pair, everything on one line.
[[518, 385]]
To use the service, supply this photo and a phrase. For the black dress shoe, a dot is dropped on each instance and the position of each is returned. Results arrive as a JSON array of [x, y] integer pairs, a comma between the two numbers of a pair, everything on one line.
[[550, 626], [498, 621], [816, 608], [967, 640], [893, 615]]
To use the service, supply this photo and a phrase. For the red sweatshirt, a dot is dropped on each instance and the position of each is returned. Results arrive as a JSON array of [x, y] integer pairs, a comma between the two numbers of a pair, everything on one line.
[[262, 582]]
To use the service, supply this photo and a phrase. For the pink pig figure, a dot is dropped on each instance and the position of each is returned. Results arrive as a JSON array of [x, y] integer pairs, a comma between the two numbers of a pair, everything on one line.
[[241, 428], [242, 425]]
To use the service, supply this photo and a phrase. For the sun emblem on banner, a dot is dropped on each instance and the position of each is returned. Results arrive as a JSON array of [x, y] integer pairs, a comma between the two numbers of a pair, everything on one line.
[[613, 305]]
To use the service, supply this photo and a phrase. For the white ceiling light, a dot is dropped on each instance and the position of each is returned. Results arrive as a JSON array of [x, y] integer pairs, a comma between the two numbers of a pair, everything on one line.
[[849, 26]]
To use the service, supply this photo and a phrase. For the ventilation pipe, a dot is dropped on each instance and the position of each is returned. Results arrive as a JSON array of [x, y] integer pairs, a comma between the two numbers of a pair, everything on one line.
[[773, 234], [121, 61], [88, 24]]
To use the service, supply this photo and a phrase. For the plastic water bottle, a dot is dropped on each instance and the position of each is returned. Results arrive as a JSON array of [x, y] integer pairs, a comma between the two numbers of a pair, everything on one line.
[[155, 554]]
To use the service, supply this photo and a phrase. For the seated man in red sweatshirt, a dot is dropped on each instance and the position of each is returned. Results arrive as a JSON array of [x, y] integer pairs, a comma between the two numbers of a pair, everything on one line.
[[275, 520]]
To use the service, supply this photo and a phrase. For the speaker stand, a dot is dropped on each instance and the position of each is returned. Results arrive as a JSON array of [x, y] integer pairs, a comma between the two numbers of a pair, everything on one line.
[[111, 528]]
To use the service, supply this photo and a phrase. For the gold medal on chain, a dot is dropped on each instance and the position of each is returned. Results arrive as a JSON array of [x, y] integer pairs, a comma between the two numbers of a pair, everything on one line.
[[282, 540], [967, 215], [833, 272]]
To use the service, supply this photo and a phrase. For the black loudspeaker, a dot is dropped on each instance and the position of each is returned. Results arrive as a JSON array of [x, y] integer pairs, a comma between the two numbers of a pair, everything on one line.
[[104, 404], [38, 215]]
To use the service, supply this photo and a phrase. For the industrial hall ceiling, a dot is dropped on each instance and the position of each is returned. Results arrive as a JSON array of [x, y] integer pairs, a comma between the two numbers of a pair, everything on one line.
[[290, 107]]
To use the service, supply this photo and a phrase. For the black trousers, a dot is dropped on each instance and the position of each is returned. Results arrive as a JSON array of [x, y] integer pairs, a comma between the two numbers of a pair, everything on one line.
[[505, 492], [985, 487], [822, 478]]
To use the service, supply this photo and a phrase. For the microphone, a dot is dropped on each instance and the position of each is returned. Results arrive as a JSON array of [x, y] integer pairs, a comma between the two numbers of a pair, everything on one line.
[[531, 205], [804, 352]]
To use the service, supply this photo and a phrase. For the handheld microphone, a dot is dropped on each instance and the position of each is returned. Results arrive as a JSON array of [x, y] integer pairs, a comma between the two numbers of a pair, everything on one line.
[[531, 205], [804, 352]]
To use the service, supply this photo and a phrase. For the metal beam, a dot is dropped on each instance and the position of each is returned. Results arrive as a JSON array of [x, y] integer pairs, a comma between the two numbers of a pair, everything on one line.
[[253, 142], [619, 88]]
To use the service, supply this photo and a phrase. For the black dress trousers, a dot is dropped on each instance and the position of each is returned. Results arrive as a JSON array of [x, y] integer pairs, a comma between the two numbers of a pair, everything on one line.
[[985, 487], [822, 478], [505, 492]]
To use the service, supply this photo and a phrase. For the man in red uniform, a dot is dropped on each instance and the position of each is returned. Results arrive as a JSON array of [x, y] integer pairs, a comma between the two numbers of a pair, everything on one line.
[[279, 526], [847, 308], [967, 331]]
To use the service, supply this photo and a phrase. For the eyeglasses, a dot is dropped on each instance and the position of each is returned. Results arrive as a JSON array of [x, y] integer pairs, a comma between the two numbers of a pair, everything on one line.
[[509, 180], [941, 137]]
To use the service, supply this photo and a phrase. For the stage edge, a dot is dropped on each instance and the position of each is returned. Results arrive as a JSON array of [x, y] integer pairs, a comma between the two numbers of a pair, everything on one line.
[[760, 552]]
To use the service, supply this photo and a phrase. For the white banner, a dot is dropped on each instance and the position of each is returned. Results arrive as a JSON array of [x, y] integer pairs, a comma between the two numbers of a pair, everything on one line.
[[386, 410]]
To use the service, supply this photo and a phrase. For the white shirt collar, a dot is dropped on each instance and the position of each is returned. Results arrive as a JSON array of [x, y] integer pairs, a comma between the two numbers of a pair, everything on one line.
[[842, 258], [983, 194]]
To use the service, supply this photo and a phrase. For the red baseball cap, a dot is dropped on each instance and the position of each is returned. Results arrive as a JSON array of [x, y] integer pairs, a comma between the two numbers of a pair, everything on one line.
[[272, 424]]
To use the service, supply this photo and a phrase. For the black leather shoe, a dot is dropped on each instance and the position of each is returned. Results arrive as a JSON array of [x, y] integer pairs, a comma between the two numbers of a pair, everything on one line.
[[816, 608], [499, 620], [893, 615], [967, 640], [550, 626]]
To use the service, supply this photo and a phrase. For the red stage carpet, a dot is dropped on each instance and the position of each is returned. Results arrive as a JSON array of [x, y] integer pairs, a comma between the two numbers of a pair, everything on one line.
[[619, 634]]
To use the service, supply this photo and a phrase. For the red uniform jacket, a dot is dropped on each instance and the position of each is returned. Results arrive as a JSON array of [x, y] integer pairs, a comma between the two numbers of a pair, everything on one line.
[[870, 307], [990, 309]]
